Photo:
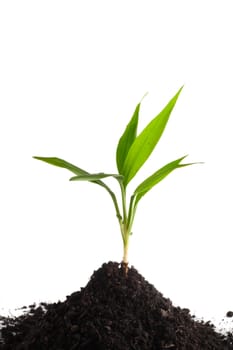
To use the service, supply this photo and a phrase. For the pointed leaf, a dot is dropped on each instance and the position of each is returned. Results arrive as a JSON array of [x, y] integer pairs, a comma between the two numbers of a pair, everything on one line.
[[80, 172], [158, 176], [94, 177], [66, 165], [144, 143], [127, 139], [62, 164]]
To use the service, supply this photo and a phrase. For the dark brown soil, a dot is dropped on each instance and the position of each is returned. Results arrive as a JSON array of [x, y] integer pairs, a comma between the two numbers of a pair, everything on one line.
[[113, 312]]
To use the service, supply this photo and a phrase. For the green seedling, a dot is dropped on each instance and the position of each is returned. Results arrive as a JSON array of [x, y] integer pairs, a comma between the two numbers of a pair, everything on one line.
[[132, 152]]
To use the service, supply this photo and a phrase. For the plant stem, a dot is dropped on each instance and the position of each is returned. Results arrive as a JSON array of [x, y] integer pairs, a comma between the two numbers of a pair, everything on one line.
[[125, 220], [124, 224], [131, 214], [123, 196], [125, 256], [118, 214]]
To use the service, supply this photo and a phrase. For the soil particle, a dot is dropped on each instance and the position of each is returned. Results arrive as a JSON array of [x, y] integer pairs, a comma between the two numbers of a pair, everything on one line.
[[114, 311]]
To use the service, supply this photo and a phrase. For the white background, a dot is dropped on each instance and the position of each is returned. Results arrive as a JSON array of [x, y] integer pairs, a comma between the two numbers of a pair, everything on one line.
[[71, 74]]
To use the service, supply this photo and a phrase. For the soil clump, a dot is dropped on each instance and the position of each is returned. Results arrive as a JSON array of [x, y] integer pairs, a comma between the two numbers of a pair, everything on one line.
[[113, 312]]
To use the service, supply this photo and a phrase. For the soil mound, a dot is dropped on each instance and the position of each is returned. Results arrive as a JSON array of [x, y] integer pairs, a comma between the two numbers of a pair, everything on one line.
[[114, 311]]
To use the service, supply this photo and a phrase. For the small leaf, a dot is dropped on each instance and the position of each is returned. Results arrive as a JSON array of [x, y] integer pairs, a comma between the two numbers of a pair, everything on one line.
[[82, 173], [144, 143], [127, 139], [158, 176], [66, 165], [94, 177], [62, 164]]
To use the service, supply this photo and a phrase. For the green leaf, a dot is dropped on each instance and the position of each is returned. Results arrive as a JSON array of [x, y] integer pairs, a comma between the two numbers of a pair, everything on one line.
[[127, 139], [144, 143], [62, 164], [80, 172], [158, 176], [94, 177], [66, 165]]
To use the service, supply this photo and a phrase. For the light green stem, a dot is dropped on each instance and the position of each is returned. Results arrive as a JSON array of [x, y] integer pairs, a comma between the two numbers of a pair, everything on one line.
[[125, 255], [123, 196], [126, 219], [118, 214], [131, 214]]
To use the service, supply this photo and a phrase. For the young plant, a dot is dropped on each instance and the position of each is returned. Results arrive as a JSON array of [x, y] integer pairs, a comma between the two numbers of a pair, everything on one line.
[[131, 153]]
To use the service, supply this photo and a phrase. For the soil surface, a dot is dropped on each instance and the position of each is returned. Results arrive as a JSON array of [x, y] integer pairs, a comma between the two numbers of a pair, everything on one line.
[[114, 311]]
